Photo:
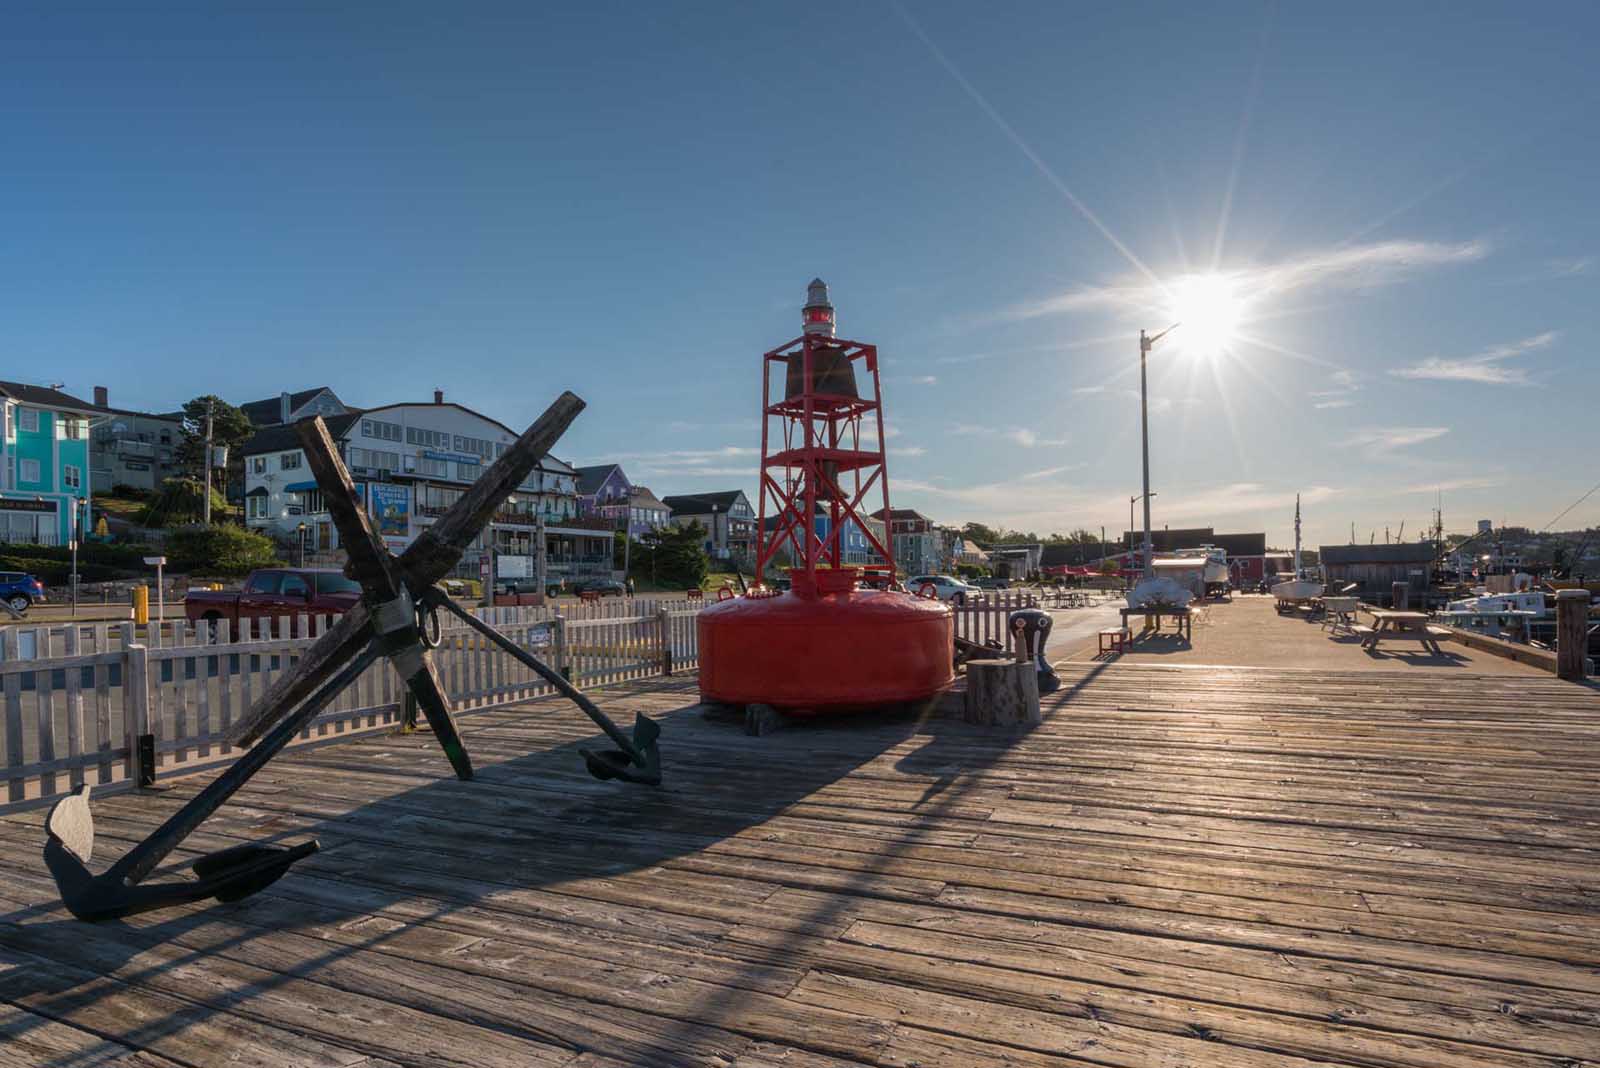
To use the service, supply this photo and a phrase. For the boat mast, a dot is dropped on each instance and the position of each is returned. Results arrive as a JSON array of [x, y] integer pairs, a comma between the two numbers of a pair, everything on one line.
[[1297, 535]]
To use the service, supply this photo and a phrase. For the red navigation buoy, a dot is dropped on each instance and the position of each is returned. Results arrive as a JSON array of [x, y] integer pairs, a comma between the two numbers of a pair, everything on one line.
[[826, 644]]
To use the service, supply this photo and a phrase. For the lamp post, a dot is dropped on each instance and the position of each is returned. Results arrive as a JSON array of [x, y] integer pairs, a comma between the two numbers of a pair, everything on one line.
[[1131, 502], [1146, 343], [300, 535]]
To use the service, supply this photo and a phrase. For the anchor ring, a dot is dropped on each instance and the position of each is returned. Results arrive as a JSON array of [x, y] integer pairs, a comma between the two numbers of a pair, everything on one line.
[[429, 630]]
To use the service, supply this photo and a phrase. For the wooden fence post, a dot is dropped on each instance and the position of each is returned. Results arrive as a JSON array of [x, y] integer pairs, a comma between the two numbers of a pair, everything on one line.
[[136, 714], [664, 628], [558, 627], [1572, 633]]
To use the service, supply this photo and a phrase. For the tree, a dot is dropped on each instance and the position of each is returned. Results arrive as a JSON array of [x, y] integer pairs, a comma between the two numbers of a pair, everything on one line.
[[674, 556], [179, 501], [980, 533], [229, 426], [219, 550]]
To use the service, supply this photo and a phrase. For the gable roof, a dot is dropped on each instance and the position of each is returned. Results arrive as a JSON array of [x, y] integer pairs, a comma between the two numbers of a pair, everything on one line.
[[902, 515], [591, 478], [641, 497], [45, 397], [1421, 552], [281, 437], [701, 503], [269, 412]]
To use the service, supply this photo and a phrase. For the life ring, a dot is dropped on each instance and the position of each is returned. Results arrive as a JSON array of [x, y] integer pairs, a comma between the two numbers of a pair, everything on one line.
[[726, 593], [928, 590]]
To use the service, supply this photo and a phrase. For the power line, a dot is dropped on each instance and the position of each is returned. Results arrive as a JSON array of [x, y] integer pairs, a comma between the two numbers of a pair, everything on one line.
[[1570, 507]]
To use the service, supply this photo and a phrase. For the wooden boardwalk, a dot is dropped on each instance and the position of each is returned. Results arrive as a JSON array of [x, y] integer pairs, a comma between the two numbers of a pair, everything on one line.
[[1184, 866]]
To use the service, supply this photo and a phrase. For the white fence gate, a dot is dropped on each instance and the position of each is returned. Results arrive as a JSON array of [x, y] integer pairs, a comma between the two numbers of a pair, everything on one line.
[[982, 619], [74, 707]]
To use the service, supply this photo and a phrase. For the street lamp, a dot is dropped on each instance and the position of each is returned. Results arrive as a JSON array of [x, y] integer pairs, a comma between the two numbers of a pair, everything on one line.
[[300, 532], [1146, 343]]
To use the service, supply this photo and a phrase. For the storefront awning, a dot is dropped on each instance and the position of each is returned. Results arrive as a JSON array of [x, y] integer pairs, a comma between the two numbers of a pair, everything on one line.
[[299, 487], [259, 491]]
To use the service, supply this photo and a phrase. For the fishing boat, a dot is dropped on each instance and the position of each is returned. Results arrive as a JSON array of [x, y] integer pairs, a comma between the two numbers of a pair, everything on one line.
[[1523, 616]]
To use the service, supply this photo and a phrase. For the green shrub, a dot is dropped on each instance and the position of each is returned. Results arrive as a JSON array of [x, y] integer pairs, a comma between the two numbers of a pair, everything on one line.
[[219, 550], [58, 572], [180, 500]]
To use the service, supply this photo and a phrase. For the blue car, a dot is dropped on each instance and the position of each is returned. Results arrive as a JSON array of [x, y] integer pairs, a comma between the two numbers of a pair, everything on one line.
[[20, 591]]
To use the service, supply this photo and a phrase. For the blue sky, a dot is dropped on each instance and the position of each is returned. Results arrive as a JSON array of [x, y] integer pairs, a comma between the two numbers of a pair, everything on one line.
[[627, 200]]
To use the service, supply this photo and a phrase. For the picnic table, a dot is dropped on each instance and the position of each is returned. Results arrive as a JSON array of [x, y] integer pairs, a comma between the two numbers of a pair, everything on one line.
[[1154, 613], [1340, 613], [1389, 625]]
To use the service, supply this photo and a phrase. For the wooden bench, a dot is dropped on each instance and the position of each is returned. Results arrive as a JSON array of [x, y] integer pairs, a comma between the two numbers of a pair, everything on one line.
[[1118, 640], [1362, 630]]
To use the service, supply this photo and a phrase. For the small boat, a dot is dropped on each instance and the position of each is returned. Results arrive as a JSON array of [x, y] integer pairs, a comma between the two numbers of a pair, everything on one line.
[[1296, 590]]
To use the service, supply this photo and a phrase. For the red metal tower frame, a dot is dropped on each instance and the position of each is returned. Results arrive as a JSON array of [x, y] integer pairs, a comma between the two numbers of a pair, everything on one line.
[[820, 435]]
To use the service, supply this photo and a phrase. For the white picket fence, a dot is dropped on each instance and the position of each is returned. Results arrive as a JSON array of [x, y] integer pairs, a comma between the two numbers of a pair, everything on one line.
[[982, 619], [44, 640], [73, 710]]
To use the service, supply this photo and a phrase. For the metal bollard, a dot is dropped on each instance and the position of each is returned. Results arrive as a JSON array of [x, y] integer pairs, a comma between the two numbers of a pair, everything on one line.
[[1030, 627]]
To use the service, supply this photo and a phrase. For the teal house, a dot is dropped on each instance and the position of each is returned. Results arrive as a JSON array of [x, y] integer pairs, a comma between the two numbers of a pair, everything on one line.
[[44, 463]]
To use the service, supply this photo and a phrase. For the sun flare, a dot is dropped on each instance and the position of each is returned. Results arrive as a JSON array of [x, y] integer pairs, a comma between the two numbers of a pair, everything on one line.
[[1209, 311]]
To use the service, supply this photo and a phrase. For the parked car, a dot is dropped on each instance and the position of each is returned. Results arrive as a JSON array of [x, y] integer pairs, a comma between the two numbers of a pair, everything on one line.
[[604, 587], [20, 591], [987, 583], [275, 593], [554, 588], [945, 587]]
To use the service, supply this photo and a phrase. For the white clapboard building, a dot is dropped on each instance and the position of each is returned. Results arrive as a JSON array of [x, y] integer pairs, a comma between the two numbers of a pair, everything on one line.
[[410, 462]]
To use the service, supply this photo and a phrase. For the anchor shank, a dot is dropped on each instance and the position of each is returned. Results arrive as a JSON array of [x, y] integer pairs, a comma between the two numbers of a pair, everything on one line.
[[143, 858], [548, 674]]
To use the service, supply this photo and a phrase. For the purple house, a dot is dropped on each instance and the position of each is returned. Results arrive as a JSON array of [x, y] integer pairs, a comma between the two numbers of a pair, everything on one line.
[[604, 492]]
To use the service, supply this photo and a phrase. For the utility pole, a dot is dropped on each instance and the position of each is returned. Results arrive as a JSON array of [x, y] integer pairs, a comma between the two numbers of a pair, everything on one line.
[[206, 506], [538, 546]]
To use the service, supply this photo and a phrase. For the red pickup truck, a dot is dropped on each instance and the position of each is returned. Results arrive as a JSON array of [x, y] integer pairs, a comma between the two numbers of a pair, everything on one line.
[[271, 593]]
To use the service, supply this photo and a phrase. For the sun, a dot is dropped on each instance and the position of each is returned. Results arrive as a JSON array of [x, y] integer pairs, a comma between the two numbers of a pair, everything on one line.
[[1208, 310]]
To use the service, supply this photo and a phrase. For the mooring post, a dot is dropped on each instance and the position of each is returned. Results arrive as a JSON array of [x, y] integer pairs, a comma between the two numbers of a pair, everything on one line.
[[1572, 633]]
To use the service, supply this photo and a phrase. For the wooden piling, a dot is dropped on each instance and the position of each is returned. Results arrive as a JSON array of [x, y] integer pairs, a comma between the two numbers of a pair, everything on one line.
[[1572, 633]]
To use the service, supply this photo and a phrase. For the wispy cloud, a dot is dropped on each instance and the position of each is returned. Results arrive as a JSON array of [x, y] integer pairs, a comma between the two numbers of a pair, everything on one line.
[[1333, 404], [1343, 267], [912, 380], [1344, 387], [907, 450], [1576, 265], [1050, 472], [1377, 441], [1487, 367], [1028, 439]]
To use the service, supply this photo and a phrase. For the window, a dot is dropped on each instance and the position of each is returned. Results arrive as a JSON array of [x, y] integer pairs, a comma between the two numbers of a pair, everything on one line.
[[377, 428], [264, 582], [256, 507], [387, 461], [468, 472], [437, 468], [258, 465], [72, 428], [71, 477], [296, 586], [289, 461], [333, 583], [28, 420], [28, 470]]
